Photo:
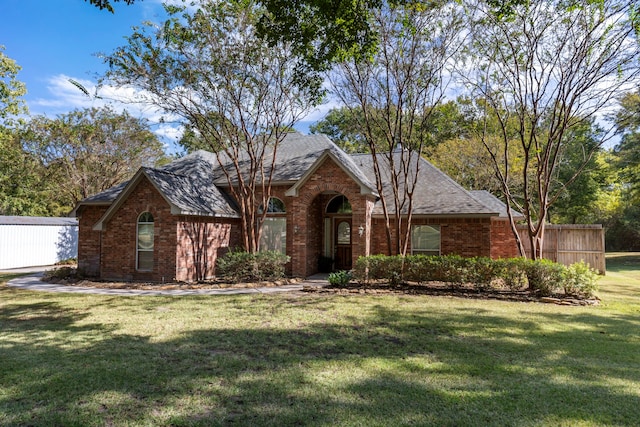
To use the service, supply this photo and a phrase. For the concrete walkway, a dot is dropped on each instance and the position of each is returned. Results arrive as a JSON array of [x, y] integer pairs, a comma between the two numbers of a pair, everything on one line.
[[32, 282]]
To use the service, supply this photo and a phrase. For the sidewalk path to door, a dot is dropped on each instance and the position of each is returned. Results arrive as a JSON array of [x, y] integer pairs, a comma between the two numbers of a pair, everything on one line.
[[32, 282]]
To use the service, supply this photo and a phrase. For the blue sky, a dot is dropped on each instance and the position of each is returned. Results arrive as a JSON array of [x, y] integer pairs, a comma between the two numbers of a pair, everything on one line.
[[57, 40]]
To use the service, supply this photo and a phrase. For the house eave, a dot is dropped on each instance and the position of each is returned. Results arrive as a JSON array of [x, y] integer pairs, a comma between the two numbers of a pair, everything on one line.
[[443, 215], [181, 212]]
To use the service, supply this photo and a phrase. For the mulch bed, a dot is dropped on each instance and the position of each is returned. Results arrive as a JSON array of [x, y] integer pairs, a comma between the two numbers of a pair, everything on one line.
[[443, 289], [429, 288]]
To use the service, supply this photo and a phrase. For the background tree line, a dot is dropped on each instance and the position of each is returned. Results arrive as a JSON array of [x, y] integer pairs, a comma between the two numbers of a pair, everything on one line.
[[47, 165]]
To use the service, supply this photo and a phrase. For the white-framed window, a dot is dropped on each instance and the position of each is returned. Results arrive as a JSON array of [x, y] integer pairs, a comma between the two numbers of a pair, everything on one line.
[[274, 227], [144, 252], [425, 239]]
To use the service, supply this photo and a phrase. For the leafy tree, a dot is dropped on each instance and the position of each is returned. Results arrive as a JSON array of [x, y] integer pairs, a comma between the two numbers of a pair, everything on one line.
[[88, 151], [19, 184], [237, 93], [322, 32], [575, 202], [341, 125], [623, 225], [11, 89], [443, 122], [392, 96], [628, 150], [106, 4], [543, 69], [24, 188]]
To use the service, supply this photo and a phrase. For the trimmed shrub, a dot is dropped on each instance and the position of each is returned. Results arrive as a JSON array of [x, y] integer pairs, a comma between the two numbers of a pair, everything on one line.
[[453, 269], [545, 277], [512, 272], [379, 267], [481, 271], [580, 280], [244, 266], [271, 264], [421, 268], [340, 278]]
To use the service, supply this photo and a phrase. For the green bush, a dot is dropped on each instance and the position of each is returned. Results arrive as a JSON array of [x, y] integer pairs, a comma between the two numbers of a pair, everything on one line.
[[453, 269], [481, 271], [340, 278], [512, 272], [544, 277], [379, 267], [422, 268], [61, 273], [244, 266], [580, 280]]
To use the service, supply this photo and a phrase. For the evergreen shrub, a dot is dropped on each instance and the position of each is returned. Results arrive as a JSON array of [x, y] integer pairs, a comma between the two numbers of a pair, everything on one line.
[[542, 277], [239, 265]]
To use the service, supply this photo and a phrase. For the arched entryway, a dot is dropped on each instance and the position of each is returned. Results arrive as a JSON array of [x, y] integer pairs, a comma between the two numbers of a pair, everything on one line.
[[339, 232], [329, 230]]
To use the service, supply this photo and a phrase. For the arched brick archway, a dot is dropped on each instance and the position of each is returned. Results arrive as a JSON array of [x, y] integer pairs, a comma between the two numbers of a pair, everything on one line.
[[309, 218]]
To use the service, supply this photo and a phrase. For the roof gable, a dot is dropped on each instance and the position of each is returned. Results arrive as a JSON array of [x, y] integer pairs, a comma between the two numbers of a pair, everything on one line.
[[295, 155], [186, 195], [347, 166]]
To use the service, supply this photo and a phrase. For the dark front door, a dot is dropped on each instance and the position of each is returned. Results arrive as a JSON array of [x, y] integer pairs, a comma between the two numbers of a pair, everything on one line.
[[343, 244]]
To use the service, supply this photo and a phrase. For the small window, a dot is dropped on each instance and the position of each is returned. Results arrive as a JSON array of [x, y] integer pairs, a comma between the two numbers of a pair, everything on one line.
[[425, 239], [274, 227], [344, 233], [339, 204], [275, 205], [145, 242], [274, 235]]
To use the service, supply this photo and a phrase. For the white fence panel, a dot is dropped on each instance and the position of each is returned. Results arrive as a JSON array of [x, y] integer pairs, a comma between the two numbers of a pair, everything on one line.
[[34, 245]]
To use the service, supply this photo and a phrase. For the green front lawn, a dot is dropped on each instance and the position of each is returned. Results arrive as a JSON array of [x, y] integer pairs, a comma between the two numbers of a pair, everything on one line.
[[312, 359]]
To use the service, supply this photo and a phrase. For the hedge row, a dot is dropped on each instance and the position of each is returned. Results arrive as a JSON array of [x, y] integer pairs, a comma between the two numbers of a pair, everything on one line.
[[239, 266], [543, 277]]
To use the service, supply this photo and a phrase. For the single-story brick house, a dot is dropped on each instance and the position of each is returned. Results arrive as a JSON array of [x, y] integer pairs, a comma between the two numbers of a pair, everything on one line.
[[172, 222]]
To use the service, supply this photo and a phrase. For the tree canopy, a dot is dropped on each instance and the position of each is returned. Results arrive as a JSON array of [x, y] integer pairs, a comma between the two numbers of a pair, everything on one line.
[[88, 151], [106, 4], [237, 94], [544, 70], [11, 89]]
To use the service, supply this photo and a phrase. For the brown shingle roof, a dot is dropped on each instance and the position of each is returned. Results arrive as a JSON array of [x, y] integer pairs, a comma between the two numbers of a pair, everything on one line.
[[191, 184], [435, 193]]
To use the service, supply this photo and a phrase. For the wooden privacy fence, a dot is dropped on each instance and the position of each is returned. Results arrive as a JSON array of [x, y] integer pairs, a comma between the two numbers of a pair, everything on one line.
[[570, 243]]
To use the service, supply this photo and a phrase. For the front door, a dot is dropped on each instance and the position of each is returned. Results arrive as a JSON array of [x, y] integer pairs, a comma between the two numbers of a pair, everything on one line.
[[343, 244]]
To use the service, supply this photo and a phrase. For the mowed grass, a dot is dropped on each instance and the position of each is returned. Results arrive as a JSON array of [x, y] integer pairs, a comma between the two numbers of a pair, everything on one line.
[[321, 360]]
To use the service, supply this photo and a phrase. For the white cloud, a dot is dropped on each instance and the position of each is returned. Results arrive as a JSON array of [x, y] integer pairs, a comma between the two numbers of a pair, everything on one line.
[[65, 96]]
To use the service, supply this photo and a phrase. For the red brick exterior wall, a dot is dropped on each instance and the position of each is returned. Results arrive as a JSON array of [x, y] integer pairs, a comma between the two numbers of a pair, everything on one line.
[[307, 213], [200, 242], [185, 248], [119, 238], [467, 237], [503, 242], [89, 241]]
